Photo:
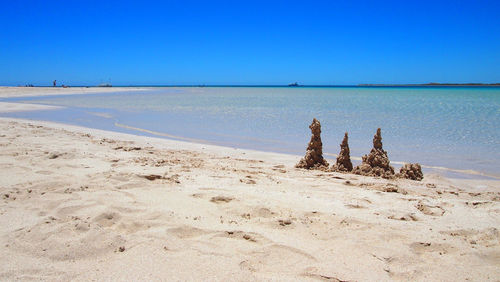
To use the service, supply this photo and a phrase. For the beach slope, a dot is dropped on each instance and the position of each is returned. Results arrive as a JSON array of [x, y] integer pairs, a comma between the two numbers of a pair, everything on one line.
[[85, 204]]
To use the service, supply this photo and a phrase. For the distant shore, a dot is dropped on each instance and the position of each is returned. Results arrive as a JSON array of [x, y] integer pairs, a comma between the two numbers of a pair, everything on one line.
[[16, 92], [94, 89], [432, 84]]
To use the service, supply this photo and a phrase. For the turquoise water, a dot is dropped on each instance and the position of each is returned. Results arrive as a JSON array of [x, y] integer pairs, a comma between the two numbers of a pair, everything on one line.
[[451, 127]]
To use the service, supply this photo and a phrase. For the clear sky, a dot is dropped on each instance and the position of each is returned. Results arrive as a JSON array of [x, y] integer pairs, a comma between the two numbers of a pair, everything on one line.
[[248, 42]]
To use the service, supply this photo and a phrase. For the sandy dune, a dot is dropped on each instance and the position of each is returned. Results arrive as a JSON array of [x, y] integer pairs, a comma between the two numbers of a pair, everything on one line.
[[86, 204]]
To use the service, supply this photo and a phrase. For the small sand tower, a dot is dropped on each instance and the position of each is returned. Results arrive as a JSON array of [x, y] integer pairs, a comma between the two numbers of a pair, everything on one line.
[[376, 163], [314, 153], [343, 163]]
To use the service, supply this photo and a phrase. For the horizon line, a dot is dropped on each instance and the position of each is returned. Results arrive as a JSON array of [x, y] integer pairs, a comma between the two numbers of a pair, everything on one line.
[[271, 85]]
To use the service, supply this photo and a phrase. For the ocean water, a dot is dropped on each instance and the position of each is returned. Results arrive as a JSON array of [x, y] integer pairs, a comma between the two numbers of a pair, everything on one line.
[[451, 129]]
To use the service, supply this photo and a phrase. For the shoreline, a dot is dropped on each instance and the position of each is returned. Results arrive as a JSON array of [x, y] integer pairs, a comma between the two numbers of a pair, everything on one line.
[[158, 141], [168, 143], [7, 93], [331, 157], [463, 173]]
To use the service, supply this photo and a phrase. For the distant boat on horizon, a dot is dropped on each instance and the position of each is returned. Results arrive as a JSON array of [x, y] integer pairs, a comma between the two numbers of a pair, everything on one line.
[[293, 84], [104, 85]]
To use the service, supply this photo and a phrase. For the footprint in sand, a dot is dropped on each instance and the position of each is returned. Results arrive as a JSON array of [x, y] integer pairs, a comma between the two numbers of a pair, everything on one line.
[[355, 206], [107, 219], [248, 180], [404, 217], [198, 195], [423, 247], [44, 172], [488, 237], [429, 210], [270, 259], [66, 239], [185, 232], [476, 205], [132, 226], [250, 237], [279, 168], [262, 212], [221, 199], [321, 277]]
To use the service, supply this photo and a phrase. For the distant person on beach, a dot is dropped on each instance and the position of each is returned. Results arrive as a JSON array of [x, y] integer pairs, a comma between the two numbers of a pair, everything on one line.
[[54, 83]]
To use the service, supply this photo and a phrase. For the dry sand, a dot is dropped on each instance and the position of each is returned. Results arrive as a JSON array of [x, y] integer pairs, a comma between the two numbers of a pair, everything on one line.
[[6, 107], [85, 204]]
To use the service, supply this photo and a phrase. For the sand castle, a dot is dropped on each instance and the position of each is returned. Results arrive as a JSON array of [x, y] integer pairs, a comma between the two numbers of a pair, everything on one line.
[[411, 171], [314, 153], [376, 163], [343, 163]]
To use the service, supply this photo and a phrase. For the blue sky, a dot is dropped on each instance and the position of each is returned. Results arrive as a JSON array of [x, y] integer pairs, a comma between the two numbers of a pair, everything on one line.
[[248, 42]]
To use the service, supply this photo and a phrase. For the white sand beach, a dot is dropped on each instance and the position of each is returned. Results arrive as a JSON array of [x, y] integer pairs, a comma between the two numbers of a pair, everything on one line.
[[84, 204], [12, 92]]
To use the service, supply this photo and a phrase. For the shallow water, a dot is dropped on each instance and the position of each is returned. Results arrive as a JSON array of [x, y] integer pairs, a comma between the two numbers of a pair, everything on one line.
[[451, 127]]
